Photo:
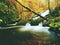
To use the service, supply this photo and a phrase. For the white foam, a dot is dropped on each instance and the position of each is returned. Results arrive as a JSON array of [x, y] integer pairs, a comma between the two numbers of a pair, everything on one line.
[[45, 13], [42, 14], [38, 28]]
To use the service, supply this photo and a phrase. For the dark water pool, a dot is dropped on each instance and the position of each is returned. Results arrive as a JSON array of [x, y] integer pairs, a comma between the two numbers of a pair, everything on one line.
[[16, 37]]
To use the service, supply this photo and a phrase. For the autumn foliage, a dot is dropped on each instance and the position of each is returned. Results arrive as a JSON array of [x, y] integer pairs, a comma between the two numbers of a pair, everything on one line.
[[35, 5]]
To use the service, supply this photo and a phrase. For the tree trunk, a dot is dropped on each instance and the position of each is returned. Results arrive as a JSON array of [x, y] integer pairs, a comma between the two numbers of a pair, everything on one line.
[[49, 6]]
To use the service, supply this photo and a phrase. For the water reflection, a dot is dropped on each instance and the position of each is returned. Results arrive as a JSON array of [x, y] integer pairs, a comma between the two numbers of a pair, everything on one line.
[[28, 35]]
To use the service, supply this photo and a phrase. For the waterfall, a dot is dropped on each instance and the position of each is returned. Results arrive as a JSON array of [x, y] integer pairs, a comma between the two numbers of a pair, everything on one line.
[[45, 13], [38, 28], [42, 14]]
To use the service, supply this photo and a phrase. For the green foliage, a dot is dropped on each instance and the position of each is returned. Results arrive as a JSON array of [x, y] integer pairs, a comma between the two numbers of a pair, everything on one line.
[[56, 11], [8, 13], [53, 19], [36, 22], [55, 25], [2, 0], [22, 22], [1, 21], [33, 22]]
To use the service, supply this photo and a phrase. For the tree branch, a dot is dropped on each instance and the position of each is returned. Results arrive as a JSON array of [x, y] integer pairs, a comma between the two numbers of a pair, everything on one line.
[[32, 11]]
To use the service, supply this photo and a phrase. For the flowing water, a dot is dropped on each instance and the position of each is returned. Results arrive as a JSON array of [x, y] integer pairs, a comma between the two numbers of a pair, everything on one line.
[[28, 35], [38, 28]]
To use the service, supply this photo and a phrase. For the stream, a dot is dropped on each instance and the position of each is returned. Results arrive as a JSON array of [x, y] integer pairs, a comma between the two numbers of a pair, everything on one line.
[[28, 35]]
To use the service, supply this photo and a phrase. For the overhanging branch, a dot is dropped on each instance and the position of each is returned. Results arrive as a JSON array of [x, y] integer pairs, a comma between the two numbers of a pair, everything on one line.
[[31, 11]]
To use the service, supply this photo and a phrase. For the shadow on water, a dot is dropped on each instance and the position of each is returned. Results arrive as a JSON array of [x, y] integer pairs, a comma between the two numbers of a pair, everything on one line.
[[17, 36]]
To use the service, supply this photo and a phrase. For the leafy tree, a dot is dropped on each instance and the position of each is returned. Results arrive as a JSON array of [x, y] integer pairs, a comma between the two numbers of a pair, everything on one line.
[[8, 14], [54, 19]]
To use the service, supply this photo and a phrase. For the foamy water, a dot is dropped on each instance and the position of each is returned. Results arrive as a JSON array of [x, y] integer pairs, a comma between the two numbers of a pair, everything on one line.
[[38, 28], [42, 14], [27, 27], [45, 13]]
